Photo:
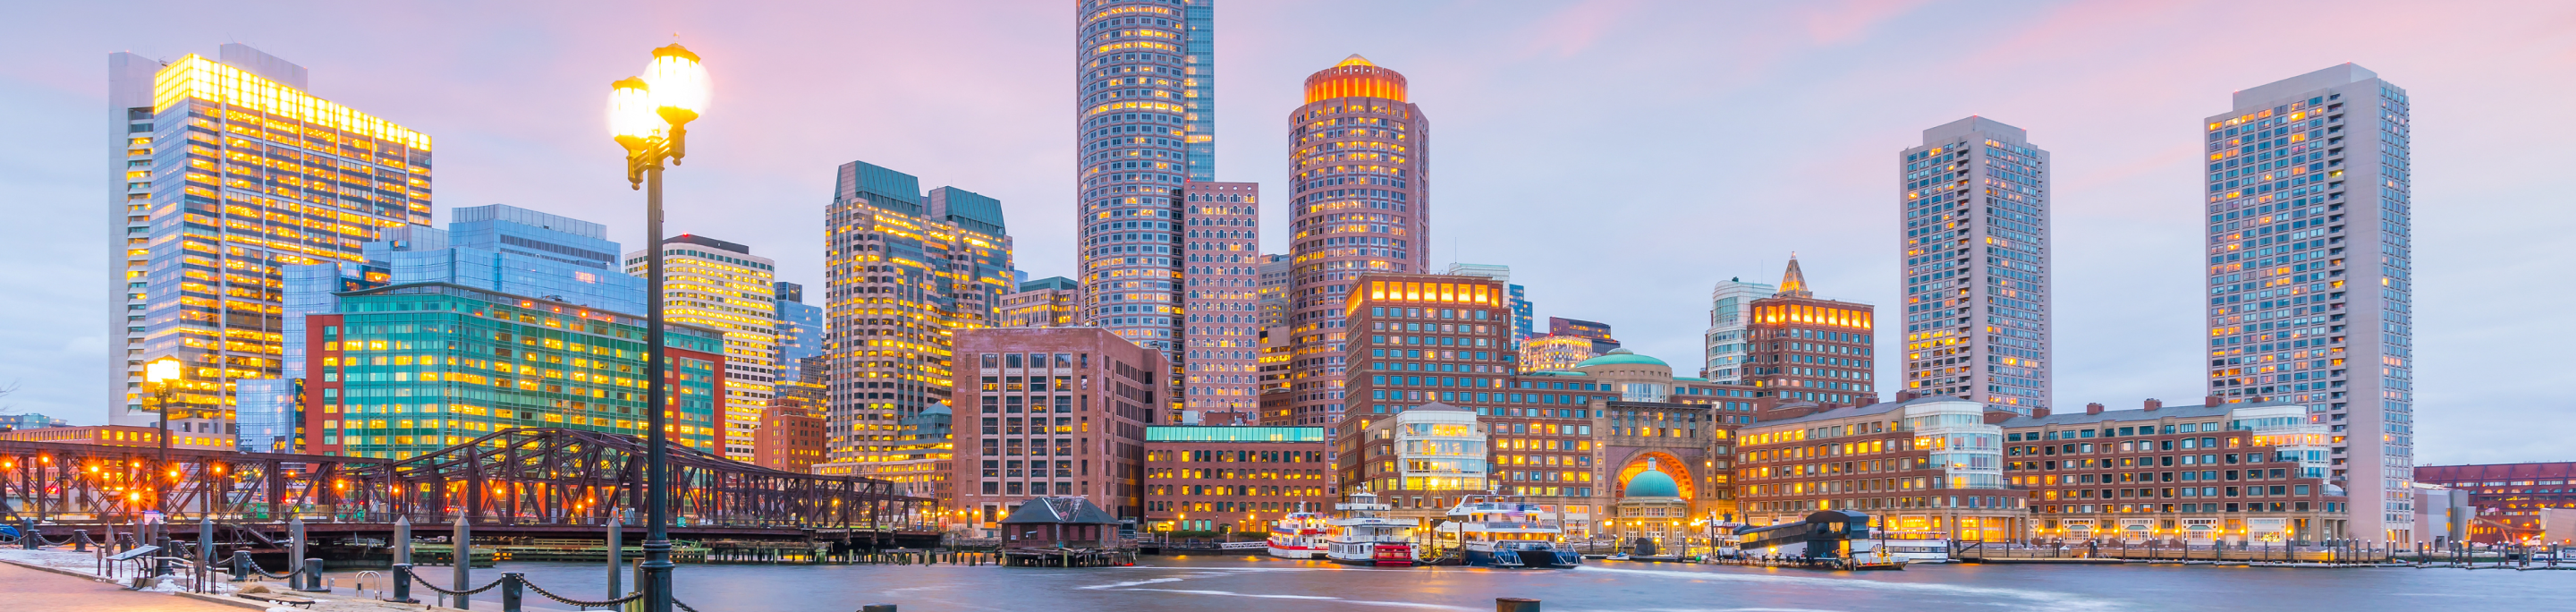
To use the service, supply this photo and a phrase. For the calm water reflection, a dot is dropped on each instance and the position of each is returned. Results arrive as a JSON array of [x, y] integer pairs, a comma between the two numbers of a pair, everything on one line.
[[1254, 584]]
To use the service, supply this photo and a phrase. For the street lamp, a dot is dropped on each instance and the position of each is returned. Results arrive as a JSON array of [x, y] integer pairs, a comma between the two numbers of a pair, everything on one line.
[[649, 116], [164, 374]]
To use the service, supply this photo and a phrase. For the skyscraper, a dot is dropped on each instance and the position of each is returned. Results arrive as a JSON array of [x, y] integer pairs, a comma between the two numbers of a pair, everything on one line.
[[1360, 161], [1975, 205], [1198, 44], [1726, 347], [222, 173], [905, 273], [721, 285], [1220, 272], [2308, 192], [1811, 349], [800, 332], [1133, 114]]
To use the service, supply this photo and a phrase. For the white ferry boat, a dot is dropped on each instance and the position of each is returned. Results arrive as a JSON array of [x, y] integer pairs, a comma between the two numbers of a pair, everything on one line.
[[1363, 535], [1299, 535], [1508, 534]]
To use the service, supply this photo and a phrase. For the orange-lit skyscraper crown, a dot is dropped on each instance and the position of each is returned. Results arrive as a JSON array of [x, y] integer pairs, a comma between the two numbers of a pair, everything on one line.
[[1354, 77]]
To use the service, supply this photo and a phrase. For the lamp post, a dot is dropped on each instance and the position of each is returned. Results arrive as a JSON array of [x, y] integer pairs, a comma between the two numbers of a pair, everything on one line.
[[164, 374], [649, 116]]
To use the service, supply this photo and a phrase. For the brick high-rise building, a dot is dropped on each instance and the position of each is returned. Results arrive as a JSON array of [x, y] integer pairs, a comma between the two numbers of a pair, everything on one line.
[[2311, 292], [1360, 163], [1422, 342], [1052, 411], [1976, 214], [790, 437], [1811, 349]]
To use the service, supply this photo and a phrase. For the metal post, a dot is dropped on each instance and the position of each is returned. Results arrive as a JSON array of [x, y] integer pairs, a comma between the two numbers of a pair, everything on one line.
[[295, 543], [158, 501], [402, 583], [616, 554], [80, 540], [241, 566], [510, 593], [657, 540], [313, 576], [27, 536], [205, 544], [402, 540], [463, 554]]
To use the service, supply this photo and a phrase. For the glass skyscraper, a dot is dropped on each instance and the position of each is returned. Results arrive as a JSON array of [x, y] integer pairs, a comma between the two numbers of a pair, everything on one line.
[[1975, 205], [517, 251], [1133, 113], [800, 330], [222, 174], [2311, 298], [905, 274], [1198, 43]]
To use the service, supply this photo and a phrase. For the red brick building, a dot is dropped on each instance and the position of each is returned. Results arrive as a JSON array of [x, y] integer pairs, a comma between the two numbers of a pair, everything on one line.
[[1234, 478], [2508, 496], [1929, 467], [1810, 349], [790, 437], [2243, 472], [1051, 412]]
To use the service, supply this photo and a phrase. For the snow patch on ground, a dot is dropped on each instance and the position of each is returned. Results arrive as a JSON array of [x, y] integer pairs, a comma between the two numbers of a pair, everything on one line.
[[65, 559]]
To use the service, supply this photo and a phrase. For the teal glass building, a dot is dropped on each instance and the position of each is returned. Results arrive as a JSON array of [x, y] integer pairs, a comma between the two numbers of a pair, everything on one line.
[[406, 369]]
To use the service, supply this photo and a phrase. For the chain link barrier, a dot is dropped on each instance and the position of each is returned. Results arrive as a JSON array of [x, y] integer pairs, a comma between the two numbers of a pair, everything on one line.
[[253, 564], [582, 603], [426, 583]]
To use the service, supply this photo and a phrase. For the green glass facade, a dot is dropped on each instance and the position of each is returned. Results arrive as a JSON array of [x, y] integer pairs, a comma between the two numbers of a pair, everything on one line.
[[408, 369], [1209, 433]]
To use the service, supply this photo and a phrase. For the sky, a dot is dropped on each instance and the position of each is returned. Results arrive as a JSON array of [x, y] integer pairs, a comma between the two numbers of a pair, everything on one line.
[[1621, 157]]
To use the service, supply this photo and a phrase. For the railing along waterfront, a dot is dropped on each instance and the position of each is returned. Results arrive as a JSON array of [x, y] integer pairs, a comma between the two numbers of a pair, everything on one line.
[[518, 477]]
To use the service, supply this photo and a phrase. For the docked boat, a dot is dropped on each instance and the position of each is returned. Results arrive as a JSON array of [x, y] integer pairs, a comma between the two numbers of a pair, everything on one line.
[[1299, 535], [1912, 546], [1364, 535], [1508, 534]]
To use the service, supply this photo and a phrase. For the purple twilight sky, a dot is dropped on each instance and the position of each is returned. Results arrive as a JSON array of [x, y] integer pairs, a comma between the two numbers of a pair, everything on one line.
[[1620, 156]]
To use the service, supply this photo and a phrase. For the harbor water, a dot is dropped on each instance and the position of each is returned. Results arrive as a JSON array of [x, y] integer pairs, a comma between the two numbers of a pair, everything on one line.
[[1236, 583]]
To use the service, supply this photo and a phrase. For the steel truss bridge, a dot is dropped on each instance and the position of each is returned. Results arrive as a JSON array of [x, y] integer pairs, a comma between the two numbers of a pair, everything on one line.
[[524, 480]]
